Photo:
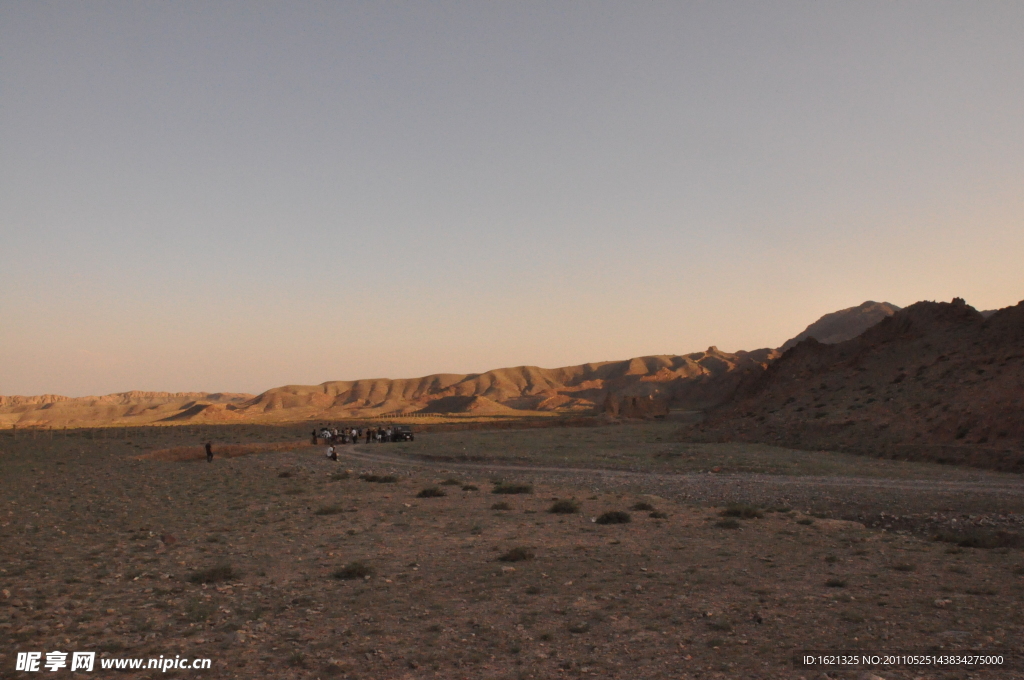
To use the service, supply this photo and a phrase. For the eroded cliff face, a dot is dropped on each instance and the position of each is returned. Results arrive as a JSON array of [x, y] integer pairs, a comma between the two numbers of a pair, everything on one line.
[[934, 381]]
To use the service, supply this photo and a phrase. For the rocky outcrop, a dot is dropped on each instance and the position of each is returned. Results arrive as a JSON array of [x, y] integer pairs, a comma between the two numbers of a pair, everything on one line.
[[844, 324], [934, 381]]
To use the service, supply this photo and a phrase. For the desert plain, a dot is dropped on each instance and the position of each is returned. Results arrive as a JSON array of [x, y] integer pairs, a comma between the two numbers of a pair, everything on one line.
[[275, 562]]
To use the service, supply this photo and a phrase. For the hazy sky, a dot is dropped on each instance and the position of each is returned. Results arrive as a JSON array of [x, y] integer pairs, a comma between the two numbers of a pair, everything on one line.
[[239, 195]]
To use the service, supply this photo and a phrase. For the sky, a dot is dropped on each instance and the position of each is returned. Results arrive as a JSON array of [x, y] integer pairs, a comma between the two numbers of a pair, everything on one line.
[[235, 196]]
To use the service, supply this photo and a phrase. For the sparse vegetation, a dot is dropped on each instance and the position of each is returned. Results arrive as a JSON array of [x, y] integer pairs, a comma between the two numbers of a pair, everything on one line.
[[379, 479], [215, 574], [501, 506], [728, 523], [510, 488], [742, 511], [978, 538], [451, 481], [353, 570], [432, 492], [614, 517], [835, 583], [517, 555], [642, 507], [329, 510], [564, 507]]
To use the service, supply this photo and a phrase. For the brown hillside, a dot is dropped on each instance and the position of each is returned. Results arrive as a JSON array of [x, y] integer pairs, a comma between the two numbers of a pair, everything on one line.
[[933, 381], [135, 408], [697, 380], [638, 387], [845, 324]]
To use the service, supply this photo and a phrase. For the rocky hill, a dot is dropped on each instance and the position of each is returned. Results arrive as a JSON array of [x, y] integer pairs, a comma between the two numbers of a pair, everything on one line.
[[844, 324], [696, 380], [632, 388], [934, 381], [52, 410]]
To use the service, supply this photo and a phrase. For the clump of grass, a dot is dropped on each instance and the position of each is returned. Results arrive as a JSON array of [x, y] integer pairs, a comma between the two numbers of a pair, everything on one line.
[[614, 517], [564, 507], [431, 492], [297, 660], [851, 617], [329, 510], [451, 481], [835, 583], [720, 625], [831, 559], [577, 628], [658, 515], [728, 523], [285, 474], [502, 505], [379, 479], [642, 507], [806, 521], [215, 574], [353, 570], [975, 538], [339, 476], [517, 555], [742, 511], [470, 487], [903, 566], [510, 488]]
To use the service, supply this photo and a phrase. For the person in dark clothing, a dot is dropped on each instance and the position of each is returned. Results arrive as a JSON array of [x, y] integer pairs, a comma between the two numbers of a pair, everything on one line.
[[209, 452], [314, 438]]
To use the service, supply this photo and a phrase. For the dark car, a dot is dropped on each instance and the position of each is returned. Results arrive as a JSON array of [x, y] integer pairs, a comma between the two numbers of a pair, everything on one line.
[[403, 433]]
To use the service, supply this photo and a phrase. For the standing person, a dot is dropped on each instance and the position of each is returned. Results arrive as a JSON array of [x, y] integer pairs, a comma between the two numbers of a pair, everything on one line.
[[315, 442], [209, 452]]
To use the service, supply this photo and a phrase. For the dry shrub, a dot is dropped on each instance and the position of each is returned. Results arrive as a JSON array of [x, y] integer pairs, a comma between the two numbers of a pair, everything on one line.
[[517, 555], [353, 570], [614, 517], [221, 572]]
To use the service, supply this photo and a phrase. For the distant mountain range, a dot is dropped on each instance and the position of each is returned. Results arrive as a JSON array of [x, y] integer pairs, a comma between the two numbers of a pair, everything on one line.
[[729, 386]]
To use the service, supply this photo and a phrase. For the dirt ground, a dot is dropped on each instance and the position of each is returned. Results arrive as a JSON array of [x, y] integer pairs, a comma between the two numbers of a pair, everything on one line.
[[283, 564]]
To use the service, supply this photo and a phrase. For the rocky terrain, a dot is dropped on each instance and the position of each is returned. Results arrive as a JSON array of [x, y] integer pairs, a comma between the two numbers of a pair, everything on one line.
[[934, 381], [284, 564], [844, 324]]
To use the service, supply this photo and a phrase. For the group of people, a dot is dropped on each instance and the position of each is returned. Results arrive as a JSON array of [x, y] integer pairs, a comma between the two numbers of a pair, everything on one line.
[[353, 435], [331, 436]]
